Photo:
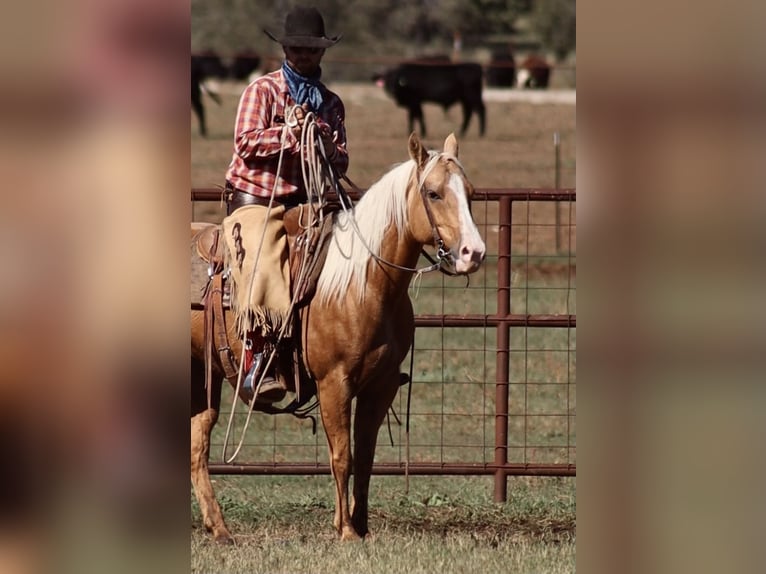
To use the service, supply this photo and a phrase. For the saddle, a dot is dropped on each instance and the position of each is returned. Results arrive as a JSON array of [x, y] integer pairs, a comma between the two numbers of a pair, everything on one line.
[[206, 260], [205, 241], [308, 228]]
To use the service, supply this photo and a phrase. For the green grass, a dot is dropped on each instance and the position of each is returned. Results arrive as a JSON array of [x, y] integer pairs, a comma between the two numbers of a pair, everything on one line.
[[390, 553], [442, 525]]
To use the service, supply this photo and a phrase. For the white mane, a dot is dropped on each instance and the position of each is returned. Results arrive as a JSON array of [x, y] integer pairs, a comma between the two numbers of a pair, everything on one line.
[[348, 255]]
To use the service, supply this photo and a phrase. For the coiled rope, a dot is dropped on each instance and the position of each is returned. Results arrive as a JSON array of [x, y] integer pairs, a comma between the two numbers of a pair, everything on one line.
[[313, 180]]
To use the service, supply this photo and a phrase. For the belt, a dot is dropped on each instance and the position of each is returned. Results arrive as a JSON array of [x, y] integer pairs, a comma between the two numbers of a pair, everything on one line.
[[236, 198]]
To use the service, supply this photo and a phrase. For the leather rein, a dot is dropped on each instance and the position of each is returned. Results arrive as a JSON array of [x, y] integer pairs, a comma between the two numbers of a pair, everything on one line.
[[442, 254]]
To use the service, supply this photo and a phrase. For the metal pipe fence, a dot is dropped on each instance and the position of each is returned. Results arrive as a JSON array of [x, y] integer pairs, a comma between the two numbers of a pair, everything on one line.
[[495, 359]]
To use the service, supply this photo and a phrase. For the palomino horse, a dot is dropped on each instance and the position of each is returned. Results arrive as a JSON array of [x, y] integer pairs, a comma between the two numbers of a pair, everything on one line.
[[360, 324]]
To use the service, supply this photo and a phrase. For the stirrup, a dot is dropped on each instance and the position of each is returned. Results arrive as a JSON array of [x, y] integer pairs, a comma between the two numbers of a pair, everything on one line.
[[251, 376], [271, 391]]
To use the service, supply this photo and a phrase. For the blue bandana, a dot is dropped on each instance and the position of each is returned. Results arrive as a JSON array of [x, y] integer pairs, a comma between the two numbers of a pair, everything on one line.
[[302, 89]]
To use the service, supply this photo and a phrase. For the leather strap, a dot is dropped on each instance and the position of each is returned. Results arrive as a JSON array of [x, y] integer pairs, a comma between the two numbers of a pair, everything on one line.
[[225, 354], [216, 336], [208, 315], [215, 263], [236, 198]]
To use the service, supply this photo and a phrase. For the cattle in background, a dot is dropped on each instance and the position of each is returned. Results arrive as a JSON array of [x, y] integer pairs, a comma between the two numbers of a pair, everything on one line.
[[534, 72], [501, 70], [209, 64], [437, 81], [431, 59], [244, 64], [203, 66]]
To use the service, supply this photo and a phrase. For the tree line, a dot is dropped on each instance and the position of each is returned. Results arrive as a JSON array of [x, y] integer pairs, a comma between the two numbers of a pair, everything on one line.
[[376, 29]]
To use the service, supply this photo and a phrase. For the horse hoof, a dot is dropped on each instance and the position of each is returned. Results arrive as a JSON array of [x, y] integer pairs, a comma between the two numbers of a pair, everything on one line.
[[349, 534], [224, 539]]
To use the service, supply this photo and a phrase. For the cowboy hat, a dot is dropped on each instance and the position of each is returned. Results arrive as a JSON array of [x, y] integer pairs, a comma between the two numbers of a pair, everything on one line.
[[304, 28]]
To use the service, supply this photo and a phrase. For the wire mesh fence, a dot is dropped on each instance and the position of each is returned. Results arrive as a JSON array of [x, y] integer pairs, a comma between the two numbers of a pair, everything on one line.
[[493, 364]]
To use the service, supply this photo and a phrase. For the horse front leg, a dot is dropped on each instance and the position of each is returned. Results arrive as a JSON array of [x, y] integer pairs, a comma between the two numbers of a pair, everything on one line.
[[335, 405], [371, 408], [202, 421]]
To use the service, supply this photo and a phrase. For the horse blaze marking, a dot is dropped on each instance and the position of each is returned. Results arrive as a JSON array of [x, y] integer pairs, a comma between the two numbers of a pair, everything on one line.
[[469, 234]]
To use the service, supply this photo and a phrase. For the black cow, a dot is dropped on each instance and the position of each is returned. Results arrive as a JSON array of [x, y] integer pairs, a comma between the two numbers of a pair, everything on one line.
[[244, 64], [412, 83], [501, 71], [204, 66]]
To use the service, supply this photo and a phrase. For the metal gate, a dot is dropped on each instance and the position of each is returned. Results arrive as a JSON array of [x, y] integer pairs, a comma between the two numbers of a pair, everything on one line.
[[494, 385]]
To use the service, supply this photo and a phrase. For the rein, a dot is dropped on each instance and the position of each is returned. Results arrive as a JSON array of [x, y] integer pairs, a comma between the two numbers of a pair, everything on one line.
[[441, 253]]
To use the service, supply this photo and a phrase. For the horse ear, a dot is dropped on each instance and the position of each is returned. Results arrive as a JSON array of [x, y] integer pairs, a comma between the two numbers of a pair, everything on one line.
[[417, 151], [450, 145]]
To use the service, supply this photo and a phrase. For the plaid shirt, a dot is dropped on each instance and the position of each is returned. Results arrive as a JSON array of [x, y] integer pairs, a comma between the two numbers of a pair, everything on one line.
[[258, 139]]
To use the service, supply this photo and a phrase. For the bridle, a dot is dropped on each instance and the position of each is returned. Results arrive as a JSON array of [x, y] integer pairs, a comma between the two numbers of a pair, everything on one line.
[[442, 254]]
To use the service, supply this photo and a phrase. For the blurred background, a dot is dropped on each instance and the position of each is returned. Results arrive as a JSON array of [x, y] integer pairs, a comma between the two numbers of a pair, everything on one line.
[[386, 31], [94, 147]]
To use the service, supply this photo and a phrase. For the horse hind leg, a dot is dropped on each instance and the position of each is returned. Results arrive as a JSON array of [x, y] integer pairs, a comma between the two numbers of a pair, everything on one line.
[[371, 408], [335, 406], [202, 421]]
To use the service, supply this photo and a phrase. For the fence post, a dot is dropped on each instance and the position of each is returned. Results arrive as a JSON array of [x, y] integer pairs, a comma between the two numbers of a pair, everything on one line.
[[557, 183], [502, 374]]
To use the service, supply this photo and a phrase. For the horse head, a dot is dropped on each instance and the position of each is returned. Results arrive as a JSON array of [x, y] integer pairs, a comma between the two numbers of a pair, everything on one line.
[[439, 205]]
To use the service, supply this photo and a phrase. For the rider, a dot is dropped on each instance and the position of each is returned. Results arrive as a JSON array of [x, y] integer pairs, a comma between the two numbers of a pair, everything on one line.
[[266, 165]]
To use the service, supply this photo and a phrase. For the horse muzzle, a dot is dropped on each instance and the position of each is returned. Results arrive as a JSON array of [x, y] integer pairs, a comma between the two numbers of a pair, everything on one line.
[[470, 257]]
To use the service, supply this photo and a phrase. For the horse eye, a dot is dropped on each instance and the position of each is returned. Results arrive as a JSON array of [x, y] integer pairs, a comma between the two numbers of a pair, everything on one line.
[[433, 196]]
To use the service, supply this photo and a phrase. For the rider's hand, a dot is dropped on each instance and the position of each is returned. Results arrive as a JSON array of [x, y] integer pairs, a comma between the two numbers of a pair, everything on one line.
[[296, 120], [327, 143]]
